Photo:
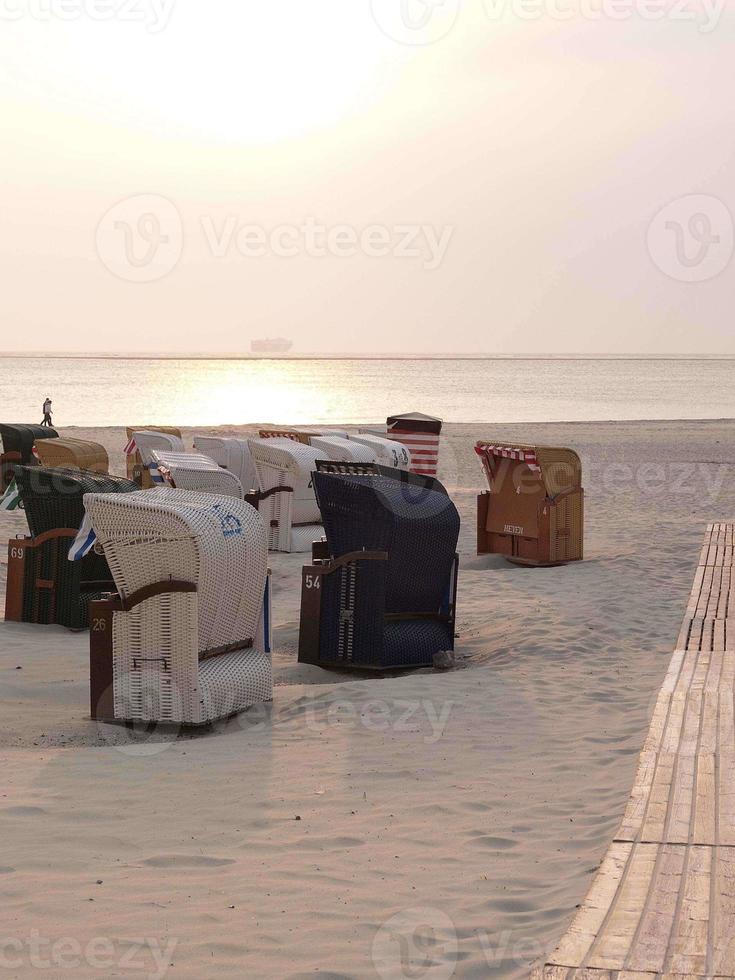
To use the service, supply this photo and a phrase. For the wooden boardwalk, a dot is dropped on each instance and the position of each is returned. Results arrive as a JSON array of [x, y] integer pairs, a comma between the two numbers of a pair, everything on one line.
[[663, 900]]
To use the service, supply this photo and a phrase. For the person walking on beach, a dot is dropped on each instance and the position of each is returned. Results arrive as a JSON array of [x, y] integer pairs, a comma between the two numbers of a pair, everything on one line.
[[47, 412]]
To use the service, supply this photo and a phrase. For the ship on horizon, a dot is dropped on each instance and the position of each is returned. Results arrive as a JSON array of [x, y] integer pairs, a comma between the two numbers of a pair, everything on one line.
[[271, 345]]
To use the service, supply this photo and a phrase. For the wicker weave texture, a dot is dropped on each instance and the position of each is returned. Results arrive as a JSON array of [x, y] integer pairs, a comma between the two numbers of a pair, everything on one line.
[[286, 463], [82, 453], [194, 471], [388, 452], [418, 528], [150, 441], [219, 544], [53, 498], [231, 454], [345, 450]]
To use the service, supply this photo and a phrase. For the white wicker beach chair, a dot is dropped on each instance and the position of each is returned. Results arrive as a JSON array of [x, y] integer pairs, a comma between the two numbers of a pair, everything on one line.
[[230, 454], [342, 450], [388, 452], [194, 471], [288, 505], [186, 640], [147, 442]]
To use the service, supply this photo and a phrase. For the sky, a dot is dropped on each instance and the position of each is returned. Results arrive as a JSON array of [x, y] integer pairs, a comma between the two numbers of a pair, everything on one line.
[[367, 176]]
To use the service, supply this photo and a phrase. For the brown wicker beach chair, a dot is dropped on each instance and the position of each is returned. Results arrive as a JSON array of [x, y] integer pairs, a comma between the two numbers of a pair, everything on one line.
[[135, 467], [76, 453], [533, 513]]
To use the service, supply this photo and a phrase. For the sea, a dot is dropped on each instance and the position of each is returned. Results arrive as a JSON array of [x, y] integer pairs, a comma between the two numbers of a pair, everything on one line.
[[205, 391]]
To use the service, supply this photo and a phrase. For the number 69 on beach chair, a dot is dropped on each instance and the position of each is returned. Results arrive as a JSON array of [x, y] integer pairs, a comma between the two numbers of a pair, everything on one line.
[[533, 513]]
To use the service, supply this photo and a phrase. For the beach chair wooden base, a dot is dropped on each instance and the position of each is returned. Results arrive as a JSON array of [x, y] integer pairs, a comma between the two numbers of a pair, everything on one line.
[[553, 543]]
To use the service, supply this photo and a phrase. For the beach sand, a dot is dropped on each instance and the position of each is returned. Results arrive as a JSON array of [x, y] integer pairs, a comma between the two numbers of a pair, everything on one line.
[[427, 825]]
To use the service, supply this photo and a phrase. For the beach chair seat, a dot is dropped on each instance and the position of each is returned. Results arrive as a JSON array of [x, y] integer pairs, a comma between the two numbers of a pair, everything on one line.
[[135, 467], [186, 638], [194, 471], [232, 455], [80, 453], [145, 443], [533, 512], [18, 443], [43, 585], [286, 498], [385, 597]]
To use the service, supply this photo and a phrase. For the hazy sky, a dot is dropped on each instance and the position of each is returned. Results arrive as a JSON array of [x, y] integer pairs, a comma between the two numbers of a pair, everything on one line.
[[387, 176]]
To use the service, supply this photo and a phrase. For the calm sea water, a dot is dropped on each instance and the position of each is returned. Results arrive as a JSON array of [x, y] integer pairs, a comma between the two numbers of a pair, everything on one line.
[[117, 391]]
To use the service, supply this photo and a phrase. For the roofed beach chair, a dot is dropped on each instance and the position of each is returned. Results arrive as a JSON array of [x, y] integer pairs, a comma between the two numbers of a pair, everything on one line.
[[193, 471], [346, 450], [136, 469], [148, 441], [230, 454], [286, 498], [186, 638], [43, 586], [533, 513], [388, 452], [385, 597], [80, 453], [18, 441]]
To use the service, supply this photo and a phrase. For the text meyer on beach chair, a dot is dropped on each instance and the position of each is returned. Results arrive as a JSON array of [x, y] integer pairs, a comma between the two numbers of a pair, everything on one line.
[[286, 497], [43, 585], [533, 513], [186, 639], [385, 598], [194, 471], [80, 453], [18, 440]]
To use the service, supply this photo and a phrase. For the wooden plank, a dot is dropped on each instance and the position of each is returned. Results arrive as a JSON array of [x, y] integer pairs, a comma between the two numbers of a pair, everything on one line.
[[662, 904]]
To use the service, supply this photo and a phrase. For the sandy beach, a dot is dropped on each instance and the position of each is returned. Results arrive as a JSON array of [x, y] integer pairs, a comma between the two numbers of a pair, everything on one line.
[[313, 838]]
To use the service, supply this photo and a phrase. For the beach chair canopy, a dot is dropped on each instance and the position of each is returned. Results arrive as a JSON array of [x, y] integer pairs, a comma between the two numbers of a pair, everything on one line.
[[335, 447], [147, 441], [377, 469], [388, 452], [194, 471], [418, 528], [231, 454], [53, 496], [217, 544], [285, 462], [19, 438], [86, 455]]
